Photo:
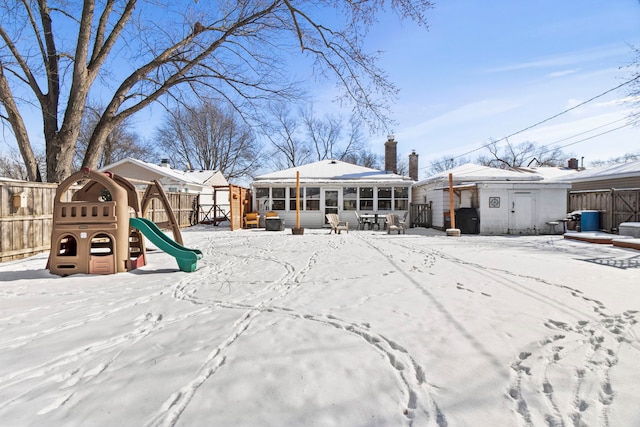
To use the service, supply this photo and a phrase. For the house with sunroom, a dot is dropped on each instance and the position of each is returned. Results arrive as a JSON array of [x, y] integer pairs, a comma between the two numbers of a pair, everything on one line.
[[331, 186]]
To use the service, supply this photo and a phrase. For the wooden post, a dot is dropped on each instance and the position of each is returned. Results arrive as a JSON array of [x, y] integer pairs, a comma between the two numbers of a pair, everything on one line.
[[452, 231], [297, 230], [298, 199], [451, 203]]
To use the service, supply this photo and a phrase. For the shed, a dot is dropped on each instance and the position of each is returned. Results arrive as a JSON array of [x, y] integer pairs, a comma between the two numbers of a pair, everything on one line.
[[503, 201], [331, 186]]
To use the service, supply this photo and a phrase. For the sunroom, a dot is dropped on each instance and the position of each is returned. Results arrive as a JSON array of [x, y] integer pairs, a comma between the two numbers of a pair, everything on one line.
[[331, 186]]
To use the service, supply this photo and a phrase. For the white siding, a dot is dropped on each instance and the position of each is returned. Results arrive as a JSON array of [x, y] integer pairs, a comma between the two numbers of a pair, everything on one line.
[[547, 204]]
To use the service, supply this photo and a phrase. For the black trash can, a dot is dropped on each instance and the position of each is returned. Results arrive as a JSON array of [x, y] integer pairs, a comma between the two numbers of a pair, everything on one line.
[[468, 220]]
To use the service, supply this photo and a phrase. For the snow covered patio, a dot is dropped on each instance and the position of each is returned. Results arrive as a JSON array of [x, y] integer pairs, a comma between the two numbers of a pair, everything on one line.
[[358, 329]]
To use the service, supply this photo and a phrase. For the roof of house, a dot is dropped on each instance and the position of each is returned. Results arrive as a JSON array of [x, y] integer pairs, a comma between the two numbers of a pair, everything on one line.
[[622, 170], [549, 173], [331, 170], [203, 177], [208, 177], [473, 173]]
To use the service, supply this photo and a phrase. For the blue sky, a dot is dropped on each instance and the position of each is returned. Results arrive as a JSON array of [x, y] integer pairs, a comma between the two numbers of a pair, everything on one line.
[[485, 70]]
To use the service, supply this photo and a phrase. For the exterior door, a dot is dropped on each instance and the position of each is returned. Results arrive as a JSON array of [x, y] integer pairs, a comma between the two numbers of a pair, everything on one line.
[[521, 215], [331, 202]]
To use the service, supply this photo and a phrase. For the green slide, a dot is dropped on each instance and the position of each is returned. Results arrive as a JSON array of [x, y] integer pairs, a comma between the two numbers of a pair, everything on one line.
[[187, 258]]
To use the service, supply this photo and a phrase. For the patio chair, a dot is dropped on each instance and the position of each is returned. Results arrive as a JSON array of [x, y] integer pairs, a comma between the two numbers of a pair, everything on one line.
[[361, 221], [336, 224], [394, 224], [251, 218], [403, 221]]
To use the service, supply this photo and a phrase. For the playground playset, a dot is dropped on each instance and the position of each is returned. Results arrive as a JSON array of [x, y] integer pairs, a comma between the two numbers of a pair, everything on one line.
[[102, 229]]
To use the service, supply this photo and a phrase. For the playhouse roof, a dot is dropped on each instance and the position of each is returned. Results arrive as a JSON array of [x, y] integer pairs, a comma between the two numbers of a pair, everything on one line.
[[331, 170]]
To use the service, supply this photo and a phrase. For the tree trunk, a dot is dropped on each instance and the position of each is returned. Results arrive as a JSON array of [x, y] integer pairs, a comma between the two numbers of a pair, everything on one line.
[[60, 151], [97, 142], [19, 130]]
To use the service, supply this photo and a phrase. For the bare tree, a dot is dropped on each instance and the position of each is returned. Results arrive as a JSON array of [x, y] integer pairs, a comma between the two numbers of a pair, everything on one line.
[[625, 158], [54, 52], [299, 138], [366, 158], [121, 143], [330, 139], [521, 155], [12, 165], [445, 163], [210, 138], [323, 133], [288, 148]]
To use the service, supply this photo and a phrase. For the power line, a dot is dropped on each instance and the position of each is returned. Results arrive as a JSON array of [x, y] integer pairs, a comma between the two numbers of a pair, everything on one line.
[[595, 136], [570, 109], [551, 118]]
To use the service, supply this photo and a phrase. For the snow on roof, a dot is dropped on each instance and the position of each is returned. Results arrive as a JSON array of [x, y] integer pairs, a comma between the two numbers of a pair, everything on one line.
[[189, 177], [209, 177], [334, 170], [549, 173], [471, 172], [622, 170]]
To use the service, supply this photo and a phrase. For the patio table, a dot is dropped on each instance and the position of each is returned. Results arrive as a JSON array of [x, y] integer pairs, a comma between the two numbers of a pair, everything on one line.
[[371, 220]]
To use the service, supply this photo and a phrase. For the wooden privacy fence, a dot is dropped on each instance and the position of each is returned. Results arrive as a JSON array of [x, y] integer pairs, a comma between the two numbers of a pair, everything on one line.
[[239, 203], [181, 204], [26, 216], [615, 205], [420, 215]]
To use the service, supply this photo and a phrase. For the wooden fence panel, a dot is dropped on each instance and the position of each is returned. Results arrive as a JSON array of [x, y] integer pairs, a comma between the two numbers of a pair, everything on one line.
[[420, 215], [615, 206], [626, 206], [26, 216], [26, 230]]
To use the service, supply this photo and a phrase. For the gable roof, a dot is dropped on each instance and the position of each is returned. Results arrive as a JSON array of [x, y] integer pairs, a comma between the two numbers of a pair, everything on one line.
[[549, 173], [203, 178], [207, 177], [331, 170], [622, 170], [471, 172]]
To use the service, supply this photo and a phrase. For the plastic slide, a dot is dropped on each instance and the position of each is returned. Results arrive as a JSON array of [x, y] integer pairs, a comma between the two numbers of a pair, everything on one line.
[[187, 258]]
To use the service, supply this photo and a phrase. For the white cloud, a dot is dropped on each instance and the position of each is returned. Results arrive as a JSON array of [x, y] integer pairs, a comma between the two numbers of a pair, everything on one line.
[[563, 73]]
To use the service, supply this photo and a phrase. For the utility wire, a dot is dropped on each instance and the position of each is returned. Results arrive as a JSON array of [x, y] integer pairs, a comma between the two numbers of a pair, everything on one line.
[[551, 118], [595, 136], [582, 133], [571, 109]]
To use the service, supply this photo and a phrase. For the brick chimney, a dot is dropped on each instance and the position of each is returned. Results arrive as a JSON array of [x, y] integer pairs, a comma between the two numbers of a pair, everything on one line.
[[413, 165], [573, 163], [391, 155]]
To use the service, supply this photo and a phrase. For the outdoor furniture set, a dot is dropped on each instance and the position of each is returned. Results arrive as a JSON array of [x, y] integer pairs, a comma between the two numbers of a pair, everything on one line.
[[272, 221]]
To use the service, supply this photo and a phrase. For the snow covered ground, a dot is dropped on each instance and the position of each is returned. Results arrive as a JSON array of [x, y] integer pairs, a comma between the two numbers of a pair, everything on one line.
[[358, 329]]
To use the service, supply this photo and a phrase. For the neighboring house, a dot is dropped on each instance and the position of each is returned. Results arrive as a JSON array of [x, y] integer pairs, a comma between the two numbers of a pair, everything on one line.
[[205, 183], [494, 201], [614, 191], [623, 175], [331, 186]]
